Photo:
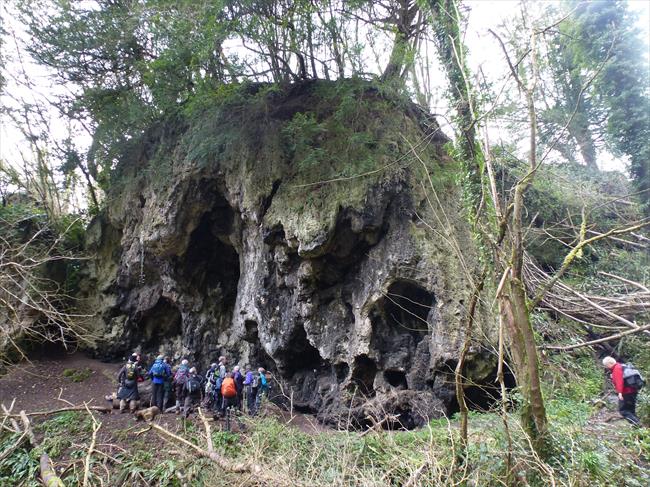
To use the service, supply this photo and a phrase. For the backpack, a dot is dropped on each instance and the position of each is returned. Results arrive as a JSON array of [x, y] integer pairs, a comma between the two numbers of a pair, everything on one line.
[[158, 370], [255, 383], [182, 374], [193, 384], [632, 377], [228, 388], [217, 379], [130, 371]]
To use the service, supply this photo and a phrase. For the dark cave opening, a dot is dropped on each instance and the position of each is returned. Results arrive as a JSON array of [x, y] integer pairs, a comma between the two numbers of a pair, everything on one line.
[[211, 263], [483, 396], [400, 321], [364, 371], [161, 322], [301, 355], [486, 395], [346, 250], [396, 378], [250, 331], [407, 306], [341, 371]]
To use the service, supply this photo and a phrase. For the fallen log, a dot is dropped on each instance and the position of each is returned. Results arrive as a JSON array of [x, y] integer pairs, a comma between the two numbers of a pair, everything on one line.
[[564, 348], [215, 457], [93, 441], [252, 469], [101, 409], [27, 428], [48, 475]]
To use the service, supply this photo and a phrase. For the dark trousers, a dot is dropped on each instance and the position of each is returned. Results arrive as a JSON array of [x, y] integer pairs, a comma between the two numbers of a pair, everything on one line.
[[627, 408], [229, 402], [191, 400], [157, 395], [167, 395], [218, 401], [250, 400]]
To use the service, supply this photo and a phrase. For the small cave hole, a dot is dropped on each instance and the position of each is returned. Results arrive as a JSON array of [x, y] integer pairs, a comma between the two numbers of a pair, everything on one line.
[[407, 306], [250, 331], [396, 378], [364, 371], [341, 370], [301, 355], [258, 357], [486, 395]]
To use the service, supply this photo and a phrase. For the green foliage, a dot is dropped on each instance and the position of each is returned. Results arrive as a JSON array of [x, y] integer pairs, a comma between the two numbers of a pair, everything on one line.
[[597, 93], [77, 375], [226, 441], [304, 134], [19, 468]]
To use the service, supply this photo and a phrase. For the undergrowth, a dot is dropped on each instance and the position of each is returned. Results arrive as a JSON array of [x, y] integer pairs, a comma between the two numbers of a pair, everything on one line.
[[587, 452]]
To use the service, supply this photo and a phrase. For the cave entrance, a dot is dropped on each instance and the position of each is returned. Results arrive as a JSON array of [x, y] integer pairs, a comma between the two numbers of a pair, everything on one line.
[[257, 356], [301, 355], [346, 250], [400, 321], [407, 306], [211, 262], [364, 371], [482, 396], [485, 396], [396, 378], [162, 322]]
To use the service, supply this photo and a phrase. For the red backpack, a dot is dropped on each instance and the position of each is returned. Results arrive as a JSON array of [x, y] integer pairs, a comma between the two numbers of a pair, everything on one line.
[[228, 388]]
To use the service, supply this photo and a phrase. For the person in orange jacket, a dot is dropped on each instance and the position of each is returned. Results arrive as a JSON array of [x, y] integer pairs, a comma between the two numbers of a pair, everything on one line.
[[229, 392], [626, 395]]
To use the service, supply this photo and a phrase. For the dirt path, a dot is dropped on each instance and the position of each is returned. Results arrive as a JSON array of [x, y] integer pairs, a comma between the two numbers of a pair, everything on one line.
[[47, 383], [37, 385]]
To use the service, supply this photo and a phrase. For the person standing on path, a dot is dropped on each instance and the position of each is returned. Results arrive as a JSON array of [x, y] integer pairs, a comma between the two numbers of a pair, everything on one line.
[[167, 386], [128, 377], [180, 378], [263, 388], [220, 375], [626, 395], [193, 390], [249, 393], [159, 373], [239, 382]]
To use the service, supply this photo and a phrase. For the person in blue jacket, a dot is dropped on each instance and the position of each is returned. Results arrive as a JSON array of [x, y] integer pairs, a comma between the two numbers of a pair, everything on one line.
[[159, 373]]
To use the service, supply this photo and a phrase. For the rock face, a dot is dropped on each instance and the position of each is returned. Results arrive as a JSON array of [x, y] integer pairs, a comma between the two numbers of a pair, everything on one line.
[[314, 231]]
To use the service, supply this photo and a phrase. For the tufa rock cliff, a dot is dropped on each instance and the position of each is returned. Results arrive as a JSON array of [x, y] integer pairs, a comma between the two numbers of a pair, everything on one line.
[[295, 229]]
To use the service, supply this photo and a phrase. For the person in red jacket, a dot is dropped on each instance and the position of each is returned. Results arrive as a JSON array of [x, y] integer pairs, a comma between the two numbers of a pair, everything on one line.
[[626, 395]]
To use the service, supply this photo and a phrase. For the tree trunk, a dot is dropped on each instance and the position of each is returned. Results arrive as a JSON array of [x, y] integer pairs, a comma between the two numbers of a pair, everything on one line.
[[401, 45], [515, 316], [579, 130]]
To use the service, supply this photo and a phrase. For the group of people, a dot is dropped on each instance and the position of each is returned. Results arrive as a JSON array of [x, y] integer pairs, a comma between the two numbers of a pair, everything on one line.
[[218, 390]]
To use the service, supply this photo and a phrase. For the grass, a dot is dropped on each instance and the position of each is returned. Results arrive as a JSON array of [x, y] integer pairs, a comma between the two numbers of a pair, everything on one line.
[[585, 453], [77, 375]]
